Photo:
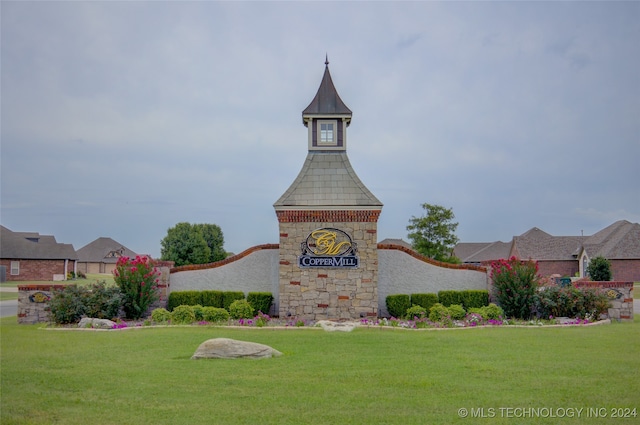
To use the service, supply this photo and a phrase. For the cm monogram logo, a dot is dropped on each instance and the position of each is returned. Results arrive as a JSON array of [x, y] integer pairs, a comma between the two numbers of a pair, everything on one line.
[[328, 247]]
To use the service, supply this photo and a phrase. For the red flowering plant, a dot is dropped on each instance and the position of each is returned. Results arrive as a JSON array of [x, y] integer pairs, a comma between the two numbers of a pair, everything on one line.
[[516, 285], [138, 282]]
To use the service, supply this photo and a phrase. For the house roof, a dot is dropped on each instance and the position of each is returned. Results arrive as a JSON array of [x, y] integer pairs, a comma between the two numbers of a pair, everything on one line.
[[401, 242], [327, 180], [621, 240], [33, 246], [539, 245], [477, 252], [327, 101], [103, 250]]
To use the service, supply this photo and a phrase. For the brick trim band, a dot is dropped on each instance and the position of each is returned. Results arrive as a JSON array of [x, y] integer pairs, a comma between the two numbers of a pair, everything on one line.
[[328, 216]]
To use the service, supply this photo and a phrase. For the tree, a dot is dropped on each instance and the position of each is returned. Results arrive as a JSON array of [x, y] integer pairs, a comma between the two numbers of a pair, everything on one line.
[[215, 240], [599, 269], [433, 234], [187, 243]]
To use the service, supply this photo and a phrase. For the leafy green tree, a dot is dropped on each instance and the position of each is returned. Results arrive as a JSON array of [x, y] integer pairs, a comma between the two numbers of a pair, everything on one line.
[[599, 269], [215, 240], [187, 243], [433, 234]]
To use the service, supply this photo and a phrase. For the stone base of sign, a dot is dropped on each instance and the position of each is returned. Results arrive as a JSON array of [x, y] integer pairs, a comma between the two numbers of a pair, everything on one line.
[[328, 293], [620, 294]]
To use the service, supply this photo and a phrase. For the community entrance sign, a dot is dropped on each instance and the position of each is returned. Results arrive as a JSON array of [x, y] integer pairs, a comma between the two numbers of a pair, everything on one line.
[[328, 248]]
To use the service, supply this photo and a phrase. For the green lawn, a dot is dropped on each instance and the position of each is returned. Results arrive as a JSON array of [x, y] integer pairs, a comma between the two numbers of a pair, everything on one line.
[[369, 376]]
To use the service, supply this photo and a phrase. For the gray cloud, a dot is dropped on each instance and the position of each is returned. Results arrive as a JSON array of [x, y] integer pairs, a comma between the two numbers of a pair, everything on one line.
[[123, 119]]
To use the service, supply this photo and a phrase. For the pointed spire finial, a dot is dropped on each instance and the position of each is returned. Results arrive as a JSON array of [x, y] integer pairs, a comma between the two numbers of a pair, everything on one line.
[[326, 60]]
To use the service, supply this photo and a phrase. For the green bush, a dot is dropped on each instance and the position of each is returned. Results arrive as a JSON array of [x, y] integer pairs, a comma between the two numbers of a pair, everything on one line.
[[489, 312], [241, 309], [474, 298], [228, 297], [211, 299], [160, 315], [416, 311], [572, 302], [215, 314], [398, 304], [599, 269], [424, 300], [183, 298], [456, 312], [67, 305], [102, 301], [260, 301], [183, 314], [438, 313], [97, 300], [446, 298], [198, 312]]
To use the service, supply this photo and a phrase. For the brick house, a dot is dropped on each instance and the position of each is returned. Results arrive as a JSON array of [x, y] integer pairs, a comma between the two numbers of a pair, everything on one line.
[[566, 255], [101, 255], [31, 256]]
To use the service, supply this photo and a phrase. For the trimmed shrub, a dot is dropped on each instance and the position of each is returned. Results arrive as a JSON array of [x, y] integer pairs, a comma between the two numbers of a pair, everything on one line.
[[488, 312], [599, 269], [228, 297], [197, 312], [398, 304], [160, 315], [260, 301], [183, 314], [183, 298], [102, 301], [416, 311], [241, 309], [424, 300], [211, 299], [456, 312], [446, 298], [474, 298], [215, 314], [438, 313]]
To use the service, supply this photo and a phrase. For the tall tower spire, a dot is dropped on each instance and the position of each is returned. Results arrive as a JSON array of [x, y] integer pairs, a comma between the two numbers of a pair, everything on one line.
[[327, 117]]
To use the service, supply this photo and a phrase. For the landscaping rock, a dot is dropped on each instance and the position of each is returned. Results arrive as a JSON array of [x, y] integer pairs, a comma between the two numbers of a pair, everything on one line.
[[225, 348], [330, 326], [88, 322]]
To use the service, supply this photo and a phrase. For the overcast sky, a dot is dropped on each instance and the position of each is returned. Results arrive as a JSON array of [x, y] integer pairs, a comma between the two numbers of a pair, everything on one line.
[[122, 119]]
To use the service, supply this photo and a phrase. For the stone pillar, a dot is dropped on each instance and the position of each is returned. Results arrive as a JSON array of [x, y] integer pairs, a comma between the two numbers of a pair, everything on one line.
[[332, 292]]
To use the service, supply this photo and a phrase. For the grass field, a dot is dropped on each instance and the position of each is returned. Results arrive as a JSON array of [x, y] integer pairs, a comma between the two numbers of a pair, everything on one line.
[[368, 376]]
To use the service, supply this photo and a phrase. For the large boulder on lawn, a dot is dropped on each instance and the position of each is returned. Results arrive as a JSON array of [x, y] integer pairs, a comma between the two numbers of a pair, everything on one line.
[[88, 322], [226, 348]]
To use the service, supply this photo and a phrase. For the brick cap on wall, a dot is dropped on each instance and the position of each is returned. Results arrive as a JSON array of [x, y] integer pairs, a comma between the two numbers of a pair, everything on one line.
[[225, 261]]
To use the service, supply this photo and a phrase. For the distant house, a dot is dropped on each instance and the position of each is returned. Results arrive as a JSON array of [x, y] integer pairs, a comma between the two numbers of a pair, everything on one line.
[[32, 256], [101, 256], [565, 255]]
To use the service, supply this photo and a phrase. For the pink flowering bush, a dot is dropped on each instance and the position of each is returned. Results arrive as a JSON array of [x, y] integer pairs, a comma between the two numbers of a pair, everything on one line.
[[138, 281], [516, 285]]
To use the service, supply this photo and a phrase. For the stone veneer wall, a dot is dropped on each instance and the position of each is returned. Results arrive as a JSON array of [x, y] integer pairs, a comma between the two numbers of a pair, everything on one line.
[[328, 293], [32, 302], [404, 271], [621, 294]]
